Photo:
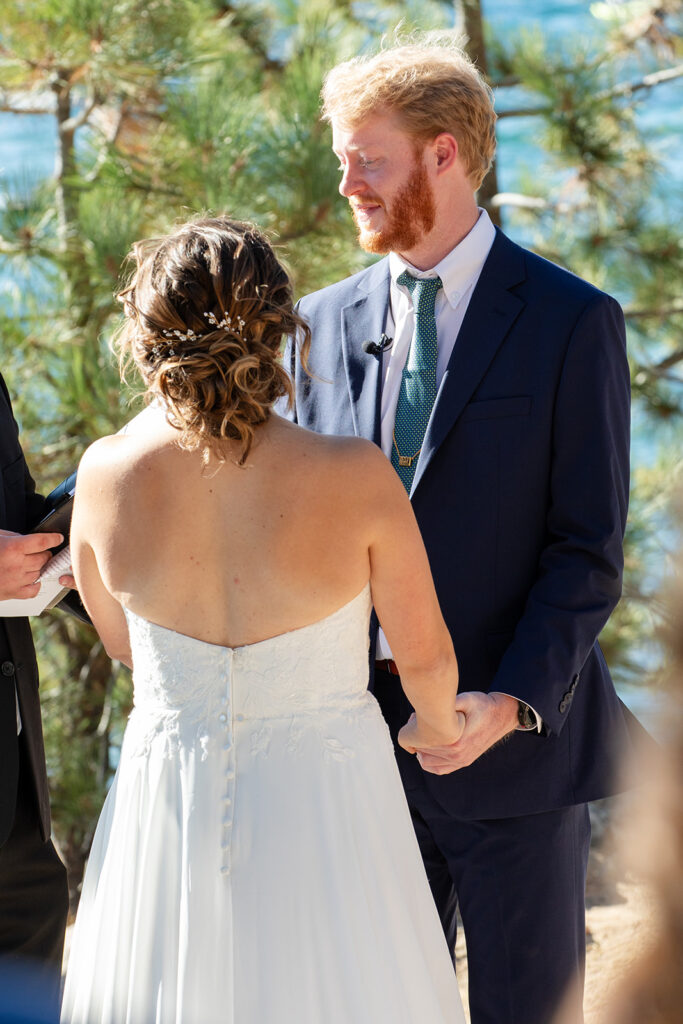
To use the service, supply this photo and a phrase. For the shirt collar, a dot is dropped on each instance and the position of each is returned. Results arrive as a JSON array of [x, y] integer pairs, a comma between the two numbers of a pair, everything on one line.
[[460, 266]]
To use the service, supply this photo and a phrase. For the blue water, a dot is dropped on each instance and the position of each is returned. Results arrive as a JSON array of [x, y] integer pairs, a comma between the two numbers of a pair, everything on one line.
[[28, 147], [28, 143]]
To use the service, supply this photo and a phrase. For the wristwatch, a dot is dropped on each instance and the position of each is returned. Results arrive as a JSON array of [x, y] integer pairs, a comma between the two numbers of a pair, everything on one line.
[[525, 717]]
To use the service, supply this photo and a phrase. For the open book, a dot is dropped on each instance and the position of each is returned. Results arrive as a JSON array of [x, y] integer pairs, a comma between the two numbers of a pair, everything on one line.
[[57, 520], [51, 591]]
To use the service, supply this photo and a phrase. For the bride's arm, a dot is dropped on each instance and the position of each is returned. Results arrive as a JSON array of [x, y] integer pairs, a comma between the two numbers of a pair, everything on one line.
[[88, 527], [408, 609]]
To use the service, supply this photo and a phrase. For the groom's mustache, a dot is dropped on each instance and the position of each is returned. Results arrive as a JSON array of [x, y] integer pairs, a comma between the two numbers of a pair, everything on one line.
[[365, 201]]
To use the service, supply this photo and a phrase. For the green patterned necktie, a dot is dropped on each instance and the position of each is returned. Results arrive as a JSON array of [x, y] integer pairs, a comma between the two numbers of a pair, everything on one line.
[[417, 393]]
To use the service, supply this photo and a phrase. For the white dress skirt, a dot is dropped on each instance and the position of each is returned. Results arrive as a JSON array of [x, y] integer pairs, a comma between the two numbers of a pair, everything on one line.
[[255, 861]]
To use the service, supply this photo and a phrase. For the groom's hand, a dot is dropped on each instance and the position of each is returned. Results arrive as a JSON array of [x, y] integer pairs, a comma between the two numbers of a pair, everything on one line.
[[488, 718]]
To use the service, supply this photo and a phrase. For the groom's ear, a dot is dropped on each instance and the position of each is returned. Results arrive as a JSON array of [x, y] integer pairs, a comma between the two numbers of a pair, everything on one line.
[[444, 151]]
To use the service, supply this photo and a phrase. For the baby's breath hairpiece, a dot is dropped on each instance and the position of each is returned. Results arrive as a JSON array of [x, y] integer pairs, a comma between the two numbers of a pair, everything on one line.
[[187, 335], [227, 321], [163, 352]]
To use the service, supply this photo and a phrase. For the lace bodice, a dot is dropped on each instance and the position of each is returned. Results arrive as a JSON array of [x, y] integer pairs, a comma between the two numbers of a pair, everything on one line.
[[181, 682]]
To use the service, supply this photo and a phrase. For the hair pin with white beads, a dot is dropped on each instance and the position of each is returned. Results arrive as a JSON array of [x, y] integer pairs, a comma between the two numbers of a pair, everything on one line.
[[227, 321], [187, 335]]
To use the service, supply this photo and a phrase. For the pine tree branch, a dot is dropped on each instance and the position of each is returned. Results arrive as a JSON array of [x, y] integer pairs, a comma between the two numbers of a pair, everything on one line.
[[525, 112], [660, 369], [109, 142], [519, 200], [8, 108], [248, 27], [35, 65], [669, 361], [643, 314], [623, 89], [646, 82], [78, 120]]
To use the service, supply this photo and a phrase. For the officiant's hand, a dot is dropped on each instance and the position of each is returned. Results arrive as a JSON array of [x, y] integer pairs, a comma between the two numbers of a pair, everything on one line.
[[68, 581], [488, 718], [22, 556]]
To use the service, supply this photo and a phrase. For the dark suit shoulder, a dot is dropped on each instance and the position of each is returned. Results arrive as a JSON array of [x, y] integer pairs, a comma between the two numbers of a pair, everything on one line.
[[547, 280], [342, 292]]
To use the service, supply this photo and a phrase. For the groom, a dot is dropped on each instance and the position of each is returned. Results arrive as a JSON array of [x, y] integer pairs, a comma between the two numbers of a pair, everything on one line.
[[497, 384]]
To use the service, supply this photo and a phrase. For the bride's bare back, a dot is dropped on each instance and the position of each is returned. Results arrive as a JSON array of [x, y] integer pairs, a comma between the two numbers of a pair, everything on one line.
[[231, 554]]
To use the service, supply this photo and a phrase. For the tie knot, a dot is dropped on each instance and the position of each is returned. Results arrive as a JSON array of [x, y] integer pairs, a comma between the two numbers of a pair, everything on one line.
[[422, 289]]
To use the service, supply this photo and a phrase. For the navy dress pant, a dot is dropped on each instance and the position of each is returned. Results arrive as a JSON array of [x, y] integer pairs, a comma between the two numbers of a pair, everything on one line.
[[519, 884]]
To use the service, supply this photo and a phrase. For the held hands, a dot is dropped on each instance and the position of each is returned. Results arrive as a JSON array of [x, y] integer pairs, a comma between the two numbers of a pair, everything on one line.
[[416, 737], [21, 559], [488, 717]]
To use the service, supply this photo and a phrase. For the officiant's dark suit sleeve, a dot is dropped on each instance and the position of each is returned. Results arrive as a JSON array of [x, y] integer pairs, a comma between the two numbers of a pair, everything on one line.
[[33, 884], [20, 505]]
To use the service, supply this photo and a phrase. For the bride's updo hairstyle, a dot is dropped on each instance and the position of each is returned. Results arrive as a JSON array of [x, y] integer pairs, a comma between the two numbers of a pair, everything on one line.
[[207, 309]]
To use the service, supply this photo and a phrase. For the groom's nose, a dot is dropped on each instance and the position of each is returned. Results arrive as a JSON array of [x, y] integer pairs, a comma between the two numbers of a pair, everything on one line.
[[351, 181]]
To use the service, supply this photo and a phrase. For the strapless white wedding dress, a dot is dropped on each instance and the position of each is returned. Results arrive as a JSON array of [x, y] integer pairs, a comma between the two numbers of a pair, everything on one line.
[[255, 861]]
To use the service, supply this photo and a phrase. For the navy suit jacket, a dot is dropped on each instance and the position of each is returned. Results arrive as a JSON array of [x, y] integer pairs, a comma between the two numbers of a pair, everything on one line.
[[521, 494]]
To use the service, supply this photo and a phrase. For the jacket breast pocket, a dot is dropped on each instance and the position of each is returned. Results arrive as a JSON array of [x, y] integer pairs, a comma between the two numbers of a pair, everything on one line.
[[497, 408]]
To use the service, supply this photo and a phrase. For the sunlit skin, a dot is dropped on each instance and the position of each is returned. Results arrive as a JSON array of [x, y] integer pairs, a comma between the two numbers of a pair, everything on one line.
[[415, 199], [406, 197], [408, 215]]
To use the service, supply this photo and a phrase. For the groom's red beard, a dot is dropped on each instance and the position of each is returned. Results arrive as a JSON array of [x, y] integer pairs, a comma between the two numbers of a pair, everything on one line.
[[411, 216]]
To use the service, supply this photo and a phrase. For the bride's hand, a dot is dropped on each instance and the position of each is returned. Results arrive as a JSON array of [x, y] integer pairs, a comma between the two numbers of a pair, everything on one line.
[[415, 736]]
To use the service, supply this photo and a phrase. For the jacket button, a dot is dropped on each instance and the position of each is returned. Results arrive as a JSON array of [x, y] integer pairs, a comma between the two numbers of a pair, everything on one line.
[[7, 668]]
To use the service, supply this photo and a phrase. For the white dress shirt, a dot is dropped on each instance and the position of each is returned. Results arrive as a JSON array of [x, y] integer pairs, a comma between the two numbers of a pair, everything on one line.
[[459, 272]]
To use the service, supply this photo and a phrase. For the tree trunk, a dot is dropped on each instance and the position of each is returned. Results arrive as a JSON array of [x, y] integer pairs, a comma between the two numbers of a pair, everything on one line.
[[476, 48], [78, 291]]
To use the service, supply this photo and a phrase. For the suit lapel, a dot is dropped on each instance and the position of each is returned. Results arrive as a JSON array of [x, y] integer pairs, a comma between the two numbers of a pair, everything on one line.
[[364, 320], [491, 313]]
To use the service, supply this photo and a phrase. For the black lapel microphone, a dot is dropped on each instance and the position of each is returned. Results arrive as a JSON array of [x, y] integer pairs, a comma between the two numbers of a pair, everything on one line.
[[375, 348]]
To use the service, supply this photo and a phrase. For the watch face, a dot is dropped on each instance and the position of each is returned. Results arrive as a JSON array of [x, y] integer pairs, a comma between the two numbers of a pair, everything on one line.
[[525, 716]]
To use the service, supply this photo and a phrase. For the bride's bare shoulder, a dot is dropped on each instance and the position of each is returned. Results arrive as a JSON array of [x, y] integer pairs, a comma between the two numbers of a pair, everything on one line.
[[112, 463], [358, 466], [327, 446]]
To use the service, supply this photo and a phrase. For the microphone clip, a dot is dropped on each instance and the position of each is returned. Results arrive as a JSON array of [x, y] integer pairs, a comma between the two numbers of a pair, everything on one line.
[[375, 348]]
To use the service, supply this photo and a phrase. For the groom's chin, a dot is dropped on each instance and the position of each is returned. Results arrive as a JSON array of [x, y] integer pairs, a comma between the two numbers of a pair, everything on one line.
[[373, 241]]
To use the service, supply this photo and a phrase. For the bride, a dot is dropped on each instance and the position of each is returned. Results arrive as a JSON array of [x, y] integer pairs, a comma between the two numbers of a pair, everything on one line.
[[255, 861]]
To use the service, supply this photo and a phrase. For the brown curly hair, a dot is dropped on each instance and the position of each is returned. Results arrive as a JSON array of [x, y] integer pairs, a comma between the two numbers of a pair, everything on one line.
[[207, 308]]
